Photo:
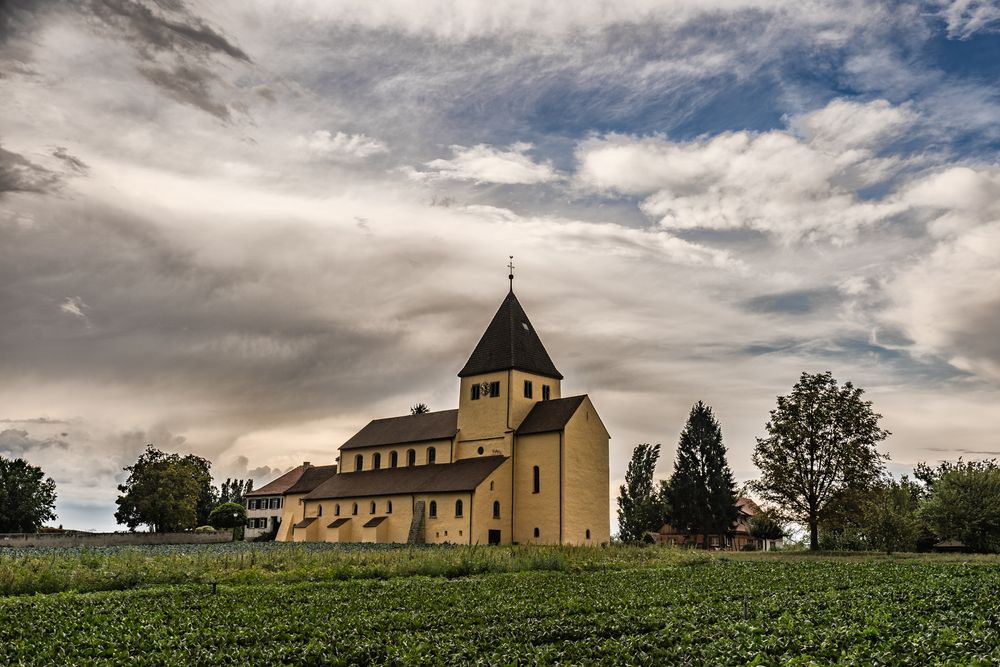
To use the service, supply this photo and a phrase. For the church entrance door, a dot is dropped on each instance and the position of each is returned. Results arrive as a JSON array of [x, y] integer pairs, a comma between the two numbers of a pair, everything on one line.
[[494, 537]]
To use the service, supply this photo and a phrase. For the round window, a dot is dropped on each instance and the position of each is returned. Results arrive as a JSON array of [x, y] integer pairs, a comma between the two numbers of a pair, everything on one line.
[[480, 450]]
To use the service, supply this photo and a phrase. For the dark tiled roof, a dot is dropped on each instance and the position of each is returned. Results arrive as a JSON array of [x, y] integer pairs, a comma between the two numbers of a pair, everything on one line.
[[409, 428], [281, 484], [550, 415], [463, 475], [311, 478], [305, 523], [337, 523], [510, 341], [374, 521]]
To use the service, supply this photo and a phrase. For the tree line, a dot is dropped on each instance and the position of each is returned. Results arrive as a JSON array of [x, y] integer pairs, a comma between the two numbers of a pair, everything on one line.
[[163, 492], [820, 468]]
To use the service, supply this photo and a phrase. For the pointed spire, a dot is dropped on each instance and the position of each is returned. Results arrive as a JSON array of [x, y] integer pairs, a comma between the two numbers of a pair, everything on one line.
[[510, 342]]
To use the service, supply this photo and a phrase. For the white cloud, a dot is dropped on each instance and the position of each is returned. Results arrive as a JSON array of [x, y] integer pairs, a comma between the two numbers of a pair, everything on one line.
[[967, 17], [74, 305], [958, 197], [467, 19], [488, 164], [792, 186], [949, 301], [341, 145], [844, 125]]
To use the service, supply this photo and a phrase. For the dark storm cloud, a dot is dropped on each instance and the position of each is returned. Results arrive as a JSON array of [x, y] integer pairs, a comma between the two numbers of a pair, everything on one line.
[[148, 30], [183, 38], [247, 335], [794, 302], [189, 85], [71, 161], [174, 48], [16, 443], [18, 174]]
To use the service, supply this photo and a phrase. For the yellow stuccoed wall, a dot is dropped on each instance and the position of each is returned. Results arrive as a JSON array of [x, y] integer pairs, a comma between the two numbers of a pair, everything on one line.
[[466, 449], [486, 417], [291, 514], [447, 527], [585, 476], [488, 422], [396, 527], [482, 506], [520, 406], [442, 449], [536, 510]]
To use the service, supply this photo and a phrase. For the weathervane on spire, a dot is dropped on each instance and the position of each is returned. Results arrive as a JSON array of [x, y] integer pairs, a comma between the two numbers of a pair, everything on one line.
[[510, 276]]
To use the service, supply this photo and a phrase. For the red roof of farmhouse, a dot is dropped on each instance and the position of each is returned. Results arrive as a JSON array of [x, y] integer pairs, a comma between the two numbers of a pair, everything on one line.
[[281, 484]]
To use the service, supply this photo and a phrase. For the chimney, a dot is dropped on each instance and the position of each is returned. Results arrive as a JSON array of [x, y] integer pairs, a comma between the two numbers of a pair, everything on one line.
[[305, 464]]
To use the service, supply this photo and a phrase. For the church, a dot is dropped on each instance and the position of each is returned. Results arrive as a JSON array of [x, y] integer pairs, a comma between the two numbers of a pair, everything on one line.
[[516, 462]]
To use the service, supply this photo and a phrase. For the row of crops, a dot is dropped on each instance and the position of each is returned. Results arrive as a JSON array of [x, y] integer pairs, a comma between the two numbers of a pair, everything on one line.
[[719, 611]]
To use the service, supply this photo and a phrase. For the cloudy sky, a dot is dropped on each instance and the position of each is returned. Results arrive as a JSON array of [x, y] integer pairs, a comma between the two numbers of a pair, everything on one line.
[[243, 229]]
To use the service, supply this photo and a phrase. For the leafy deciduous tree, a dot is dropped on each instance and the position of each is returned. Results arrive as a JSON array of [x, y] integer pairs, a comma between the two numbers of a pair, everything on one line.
[[228, 515], [929, 475], [766, 525], [889, 517], [965, 505], [821, 439], [27, 497], [234, 491], [702, 488], [166, 492]]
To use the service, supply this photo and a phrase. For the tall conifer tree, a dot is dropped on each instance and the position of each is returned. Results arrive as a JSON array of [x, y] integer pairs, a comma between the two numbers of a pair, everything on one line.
[[638, 510], [702, 490]]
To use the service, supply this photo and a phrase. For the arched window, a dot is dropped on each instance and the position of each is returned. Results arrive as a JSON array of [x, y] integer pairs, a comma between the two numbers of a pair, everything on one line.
[[359, 462], [588, 533], [354, 509], [496, 509], [319, 510], [376, 461], [535, 480], [411, 457], [433, 511], [431, 455], [393, 459], [373, 508], [336, 510], [537, 532], [458, 508], [388, 508]]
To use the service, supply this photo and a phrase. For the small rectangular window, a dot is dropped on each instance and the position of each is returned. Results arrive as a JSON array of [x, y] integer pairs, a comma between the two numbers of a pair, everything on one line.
[[536, 482], [527, 388], [494, 389], [545, 392], [475, 392]]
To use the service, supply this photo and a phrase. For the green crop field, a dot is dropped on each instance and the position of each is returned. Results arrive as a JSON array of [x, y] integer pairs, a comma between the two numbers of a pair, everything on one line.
[[502, 606]]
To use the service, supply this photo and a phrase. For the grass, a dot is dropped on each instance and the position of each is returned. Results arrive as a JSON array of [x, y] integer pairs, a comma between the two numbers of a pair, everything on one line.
[[29, 571]]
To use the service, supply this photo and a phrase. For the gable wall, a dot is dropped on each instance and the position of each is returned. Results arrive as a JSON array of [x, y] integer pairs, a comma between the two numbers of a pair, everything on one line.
[[586, 478], [536, 510]]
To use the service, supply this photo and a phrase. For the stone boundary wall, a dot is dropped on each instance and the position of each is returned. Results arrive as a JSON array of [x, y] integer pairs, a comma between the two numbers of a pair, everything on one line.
[[110, 539]]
